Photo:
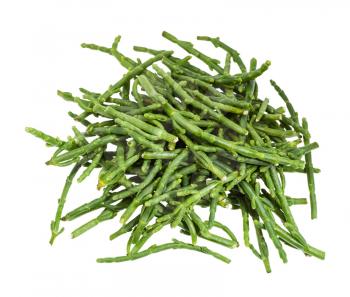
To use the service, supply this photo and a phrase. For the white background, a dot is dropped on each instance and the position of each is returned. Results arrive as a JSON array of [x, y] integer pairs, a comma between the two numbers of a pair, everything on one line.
[[308, 44]]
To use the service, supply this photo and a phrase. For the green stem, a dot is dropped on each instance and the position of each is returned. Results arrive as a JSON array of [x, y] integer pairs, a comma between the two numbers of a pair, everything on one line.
[[166, 246]]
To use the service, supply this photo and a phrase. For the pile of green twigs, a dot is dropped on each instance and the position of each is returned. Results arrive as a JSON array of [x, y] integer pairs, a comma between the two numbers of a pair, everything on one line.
[[168, 141]]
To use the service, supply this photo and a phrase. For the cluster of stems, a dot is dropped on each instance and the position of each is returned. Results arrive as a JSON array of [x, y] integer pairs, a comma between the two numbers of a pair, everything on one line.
[[169, 137]]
